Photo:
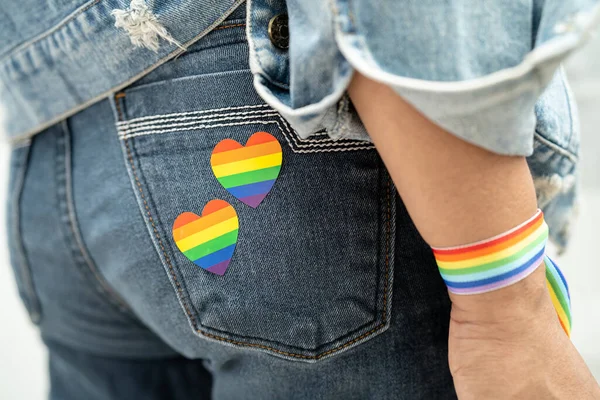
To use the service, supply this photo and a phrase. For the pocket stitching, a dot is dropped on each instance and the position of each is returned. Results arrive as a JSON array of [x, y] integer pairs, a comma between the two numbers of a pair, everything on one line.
[[350, 145], [182, 298], [206, 119], [343, 346], [139, 185]]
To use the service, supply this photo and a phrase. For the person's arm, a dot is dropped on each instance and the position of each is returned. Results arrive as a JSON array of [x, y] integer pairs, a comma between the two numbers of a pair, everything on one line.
[[457, 193]]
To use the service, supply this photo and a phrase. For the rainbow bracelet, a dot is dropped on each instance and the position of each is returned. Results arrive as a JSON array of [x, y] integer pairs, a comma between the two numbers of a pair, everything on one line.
[[504, 260], [559, 292]]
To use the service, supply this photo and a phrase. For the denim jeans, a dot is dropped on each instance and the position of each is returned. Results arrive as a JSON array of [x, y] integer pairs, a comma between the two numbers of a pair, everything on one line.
[[331, 292]]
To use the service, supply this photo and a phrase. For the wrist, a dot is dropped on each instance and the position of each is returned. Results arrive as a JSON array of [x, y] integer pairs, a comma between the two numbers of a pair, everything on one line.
[[523, 302]]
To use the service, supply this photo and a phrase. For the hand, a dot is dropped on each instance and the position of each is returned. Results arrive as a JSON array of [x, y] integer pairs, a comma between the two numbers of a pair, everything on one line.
[[508, 344]]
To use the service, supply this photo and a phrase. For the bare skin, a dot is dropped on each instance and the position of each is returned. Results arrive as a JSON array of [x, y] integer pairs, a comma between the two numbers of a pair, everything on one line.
[[506, 344]]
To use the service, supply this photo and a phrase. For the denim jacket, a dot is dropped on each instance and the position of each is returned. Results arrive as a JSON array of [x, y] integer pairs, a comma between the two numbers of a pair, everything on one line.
[[486, 72]]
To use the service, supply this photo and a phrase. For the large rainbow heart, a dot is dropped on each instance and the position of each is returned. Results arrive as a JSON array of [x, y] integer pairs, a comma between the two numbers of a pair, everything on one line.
[[248, 172], [208, 240]]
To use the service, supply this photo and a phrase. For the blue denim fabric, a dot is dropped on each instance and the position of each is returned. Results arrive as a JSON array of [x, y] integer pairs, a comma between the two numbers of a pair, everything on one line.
[[487, 73], [58, 57], [475, 69], [331, 292], [80, 375]]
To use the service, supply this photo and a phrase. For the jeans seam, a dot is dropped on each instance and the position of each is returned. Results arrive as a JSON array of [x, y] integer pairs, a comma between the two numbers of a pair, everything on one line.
[[34, 307], [337, 145], [183, 298], [180, 122], [215, 111], [153, 126], [74, 239], [117, 100], [228, 26], [555, 147]]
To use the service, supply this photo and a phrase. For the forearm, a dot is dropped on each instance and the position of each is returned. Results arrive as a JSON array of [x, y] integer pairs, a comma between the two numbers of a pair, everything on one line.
[[456, 193]]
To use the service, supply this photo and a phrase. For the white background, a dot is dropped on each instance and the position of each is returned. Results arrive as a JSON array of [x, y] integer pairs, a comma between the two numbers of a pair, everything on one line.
[[23, 359]]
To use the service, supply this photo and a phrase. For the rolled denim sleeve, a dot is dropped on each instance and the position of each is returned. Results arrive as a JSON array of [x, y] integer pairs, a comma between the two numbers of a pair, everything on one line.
[[477, 69]]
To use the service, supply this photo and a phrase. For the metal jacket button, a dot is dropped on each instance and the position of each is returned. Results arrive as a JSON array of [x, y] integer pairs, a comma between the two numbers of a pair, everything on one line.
[[279, 32]]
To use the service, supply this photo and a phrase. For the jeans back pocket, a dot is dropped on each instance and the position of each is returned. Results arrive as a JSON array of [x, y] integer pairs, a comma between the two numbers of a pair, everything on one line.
[[312, 270]]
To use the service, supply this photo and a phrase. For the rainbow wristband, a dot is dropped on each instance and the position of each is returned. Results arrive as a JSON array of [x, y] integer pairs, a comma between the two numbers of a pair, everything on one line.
[[559, 293], [504, 260]]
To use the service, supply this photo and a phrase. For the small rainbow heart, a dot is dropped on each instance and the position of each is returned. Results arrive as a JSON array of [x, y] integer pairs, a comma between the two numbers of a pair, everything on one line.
[[248, 172], [208, 240]]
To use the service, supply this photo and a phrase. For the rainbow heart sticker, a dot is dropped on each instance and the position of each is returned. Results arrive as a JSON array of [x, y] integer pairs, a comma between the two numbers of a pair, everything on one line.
[[248, 172], [208, 241]]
